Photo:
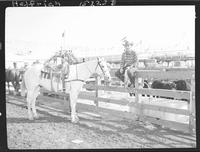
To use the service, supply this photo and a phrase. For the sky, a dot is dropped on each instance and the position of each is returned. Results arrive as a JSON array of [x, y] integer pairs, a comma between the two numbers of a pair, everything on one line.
[[95, 31]]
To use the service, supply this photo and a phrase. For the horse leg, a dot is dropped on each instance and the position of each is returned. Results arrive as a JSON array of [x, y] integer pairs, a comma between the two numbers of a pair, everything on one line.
[[14, 86], [131, 93], [35, 94], [9, 88], [73, 100], [29, 102], [125, 79]]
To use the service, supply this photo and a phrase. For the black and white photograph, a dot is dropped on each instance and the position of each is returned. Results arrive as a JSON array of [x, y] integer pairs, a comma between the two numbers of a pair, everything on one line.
[[104, 77]]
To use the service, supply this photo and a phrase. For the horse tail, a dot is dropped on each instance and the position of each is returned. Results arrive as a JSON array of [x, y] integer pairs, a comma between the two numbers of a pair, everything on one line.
[[23, 88]]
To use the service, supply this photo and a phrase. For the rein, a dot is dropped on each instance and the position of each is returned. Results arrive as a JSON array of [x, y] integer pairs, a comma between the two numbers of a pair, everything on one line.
[[100, 67]]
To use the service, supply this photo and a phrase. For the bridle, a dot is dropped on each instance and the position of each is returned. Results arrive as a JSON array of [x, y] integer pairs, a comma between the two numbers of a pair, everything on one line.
[[98, 64]]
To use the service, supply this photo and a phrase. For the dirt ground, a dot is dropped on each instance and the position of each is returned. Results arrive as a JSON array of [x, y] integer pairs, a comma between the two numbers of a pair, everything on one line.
[[53, 130]]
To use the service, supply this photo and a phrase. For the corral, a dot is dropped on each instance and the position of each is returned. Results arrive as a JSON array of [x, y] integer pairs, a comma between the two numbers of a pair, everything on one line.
[[174, 114], [113, 105], [51, 47]]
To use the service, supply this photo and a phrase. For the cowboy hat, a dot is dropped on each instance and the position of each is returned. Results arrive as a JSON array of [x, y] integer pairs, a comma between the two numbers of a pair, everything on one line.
[[126, 43]]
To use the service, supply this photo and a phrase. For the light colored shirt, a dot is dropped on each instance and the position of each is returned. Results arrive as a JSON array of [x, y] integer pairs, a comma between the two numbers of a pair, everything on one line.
[[128, 58]]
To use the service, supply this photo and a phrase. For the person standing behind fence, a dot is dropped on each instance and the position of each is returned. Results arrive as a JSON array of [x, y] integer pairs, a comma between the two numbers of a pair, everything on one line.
[[70, 57], [14, 65], [128, 59]]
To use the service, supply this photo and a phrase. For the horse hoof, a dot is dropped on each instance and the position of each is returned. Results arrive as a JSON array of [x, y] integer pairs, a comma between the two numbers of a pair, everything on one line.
[[75, 120]]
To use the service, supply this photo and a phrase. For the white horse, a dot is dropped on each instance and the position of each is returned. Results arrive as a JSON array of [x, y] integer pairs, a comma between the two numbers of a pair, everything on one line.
[[78, 74]]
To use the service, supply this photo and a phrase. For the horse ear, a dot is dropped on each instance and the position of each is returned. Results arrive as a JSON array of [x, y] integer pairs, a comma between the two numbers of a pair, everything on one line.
[[100, 59]]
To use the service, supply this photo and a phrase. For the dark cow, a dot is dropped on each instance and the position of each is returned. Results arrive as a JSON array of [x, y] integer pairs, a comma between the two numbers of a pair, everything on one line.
[[131, 77], [163, 85], [182, 85], [178, 85], [158, 84]]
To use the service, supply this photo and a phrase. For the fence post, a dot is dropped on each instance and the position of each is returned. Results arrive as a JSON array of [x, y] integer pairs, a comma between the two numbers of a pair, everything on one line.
[[137, 97], [96, 91], [192, 118], [51, 79]]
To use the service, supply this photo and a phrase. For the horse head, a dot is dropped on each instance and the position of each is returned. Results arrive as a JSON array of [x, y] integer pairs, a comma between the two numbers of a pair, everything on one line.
[[103, 69]]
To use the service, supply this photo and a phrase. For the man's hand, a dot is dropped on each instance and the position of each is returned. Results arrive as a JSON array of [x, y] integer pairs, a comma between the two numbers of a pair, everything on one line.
[[121, 70]]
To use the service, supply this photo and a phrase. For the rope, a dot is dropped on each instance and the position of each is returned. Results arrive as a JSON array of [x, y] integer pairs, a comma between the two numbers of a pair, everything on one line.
[[77, 79], [51, 78], [76, 72]]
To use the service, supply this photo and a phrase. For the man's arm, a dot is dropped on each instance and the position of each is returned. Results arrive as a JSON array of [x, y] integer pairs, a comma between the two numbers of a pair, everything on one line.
[[134, 59]]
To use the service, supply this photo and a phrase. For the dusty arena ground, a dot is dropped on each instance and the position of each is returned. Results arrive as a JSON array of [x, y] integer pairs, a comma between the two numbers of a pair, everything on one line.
[[53, 130]]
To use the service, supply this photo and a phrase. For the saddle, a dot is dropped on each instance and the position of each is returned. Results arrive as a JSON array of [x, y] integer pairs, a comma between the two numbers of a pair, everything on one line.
[[57, 73], [60, 71]]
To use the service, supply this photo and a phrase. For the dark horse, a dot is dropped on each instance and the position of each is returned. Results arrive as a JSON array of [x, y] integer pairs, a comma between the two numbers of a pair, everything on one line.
[[13, 76]]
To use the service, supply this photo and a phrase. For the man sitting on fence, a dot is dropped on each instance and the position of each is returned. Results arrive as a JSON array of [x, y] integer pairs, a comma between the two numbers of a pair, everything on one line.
[[129, 60]]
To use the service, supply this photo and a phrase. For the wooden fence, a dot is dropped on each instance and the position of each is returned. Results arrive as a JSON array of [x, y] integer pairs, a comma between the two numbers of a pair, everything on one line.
[[155, 113], [142, 109]]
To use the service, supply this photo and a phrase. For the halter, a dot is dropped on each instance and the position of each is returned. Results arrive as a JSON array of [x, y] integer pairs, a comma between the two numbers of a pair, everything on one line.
[[98, 63]]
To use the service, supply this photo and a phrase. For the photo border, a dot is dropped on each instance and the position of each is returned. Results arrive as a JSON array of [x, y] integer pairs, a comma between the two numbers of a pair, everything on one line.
[[5, 4]]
